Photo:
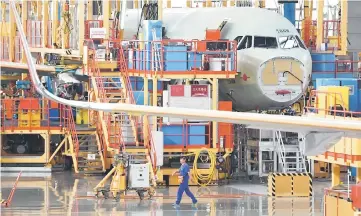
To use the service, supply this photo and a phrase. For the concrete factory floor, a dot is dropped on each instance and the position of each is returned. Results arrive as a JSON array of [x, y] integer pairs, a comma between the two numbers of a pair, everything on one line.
[[67, 194]]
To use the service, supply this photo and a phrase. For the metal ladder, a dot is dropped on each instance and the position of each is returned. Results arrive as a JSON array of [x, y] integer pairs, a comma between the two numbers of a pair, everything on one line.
[[156, 49], [289, 160]]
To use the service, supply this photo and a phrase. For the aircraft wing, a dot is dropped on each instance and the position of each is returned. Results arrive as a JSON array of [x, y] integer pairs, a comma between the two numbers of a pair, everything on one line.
[[320, 133]]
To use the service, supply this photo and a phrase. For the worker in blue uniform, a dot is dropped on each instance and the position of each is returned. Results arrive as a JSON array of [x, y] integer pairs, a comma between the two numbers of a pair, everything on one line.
[[184, 176]]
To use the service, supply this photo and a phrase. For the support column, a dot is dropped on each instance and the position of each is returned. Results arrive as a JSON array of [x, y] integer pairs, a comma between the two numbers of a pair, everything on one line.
[[106, 16], [169, 3], [336, 170], [39, 9], [24, 17], [81, 30], [319, 40], [89, 9], [358, 174], [160, 9], [66, 32], [214, 107], [155, 95], [343, 27], [12, 31], [145, 118], [45, 18], [55, 21]]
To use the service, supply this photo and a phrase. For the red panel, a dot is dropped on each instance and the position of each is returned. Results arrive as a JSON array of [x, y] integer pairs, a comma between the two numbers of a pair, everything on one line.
[[225, 130], [177, 90], [356, 195], [199, 90]]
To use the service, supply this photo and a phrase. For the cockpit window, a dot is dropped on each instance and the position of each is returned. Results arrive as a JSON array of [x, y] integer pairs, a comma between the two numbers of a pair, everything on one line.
[[245, 43], [265, 42], [238, 39], [300, 43], [289, 42]]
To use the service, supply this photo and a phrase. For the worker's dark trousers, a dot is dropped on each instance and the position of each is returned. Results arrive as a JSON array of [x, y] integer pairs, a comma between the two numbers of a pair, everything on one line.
[[183, 187]]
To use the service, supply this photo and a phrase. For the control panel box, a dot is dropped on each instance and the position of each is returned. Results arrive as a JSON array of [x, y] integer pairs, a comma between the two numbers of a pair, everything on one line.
[[139, 176]]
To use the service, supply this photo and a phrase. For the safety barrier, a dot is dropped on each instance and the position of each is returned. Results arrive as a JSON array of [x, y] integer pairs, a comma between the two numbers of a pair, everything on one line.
[[29, 114], [169, 57], [337, 203], [330, 104], [4, 48], [290, 185], [332, 34], [18, 49], [336, 69], [34, 32]]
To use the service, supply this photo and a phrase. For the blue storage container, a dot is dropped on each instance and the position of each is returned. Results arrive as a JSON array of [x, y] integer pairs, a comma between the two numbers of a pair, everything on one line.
[[327, 82], [172, 135], [328, 60], [196, 135], [175, 58], [54, 115], [175, 135], [194, 60]]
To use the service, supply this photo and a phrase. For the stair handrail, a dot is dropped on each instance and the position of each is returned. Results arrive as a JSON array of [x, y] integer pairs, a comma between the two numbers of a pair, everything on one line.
[[70, 128], [280, 149], [129, 91], [95, 71]]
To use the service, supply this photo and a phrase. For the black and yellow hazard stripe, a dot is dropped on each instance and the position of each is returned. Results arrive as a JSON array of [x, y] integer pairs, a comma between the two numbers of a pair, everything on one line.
[[273, 185], [310, 184], [272, 190]]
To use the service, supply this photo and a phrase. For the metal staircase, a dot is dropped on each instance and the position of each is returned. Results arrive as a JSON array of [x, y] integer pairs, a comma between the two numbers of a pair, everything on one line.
[[120, 130], [108, 125], [90, 156], [69, 126], [290, 157], [150, 153]]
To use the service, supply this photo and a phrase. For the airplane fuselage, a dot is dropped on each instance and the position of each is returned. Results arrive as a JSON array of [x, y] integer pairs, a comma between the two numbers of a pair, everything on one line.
[[273, 64]]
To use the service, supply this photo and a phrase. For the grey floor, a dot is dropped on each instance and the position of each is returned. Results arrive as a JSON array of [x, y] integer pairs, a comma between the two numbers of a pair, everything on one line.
[[67, 194]]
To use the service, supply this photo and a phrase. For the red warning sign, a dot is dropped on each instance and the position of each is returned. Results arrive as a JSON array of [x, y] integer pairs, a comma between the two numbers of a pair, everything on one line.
[[199, 90], [177, 90]]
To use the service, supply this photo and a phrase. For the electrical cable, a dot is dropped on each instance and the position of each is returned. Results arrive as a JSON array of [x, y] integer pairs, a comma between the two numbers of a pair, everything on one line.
[[203, 179]]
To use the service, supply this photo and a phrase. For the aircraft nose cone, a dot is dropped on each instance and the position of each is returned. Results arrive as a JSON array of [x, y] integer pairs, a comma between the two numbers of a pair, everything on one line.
[[281, 78]]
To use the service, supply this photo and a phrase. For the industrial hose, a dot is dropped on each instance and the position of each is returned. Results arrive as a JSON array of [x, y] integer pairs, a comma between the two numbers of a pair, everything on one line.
[[204, 179]]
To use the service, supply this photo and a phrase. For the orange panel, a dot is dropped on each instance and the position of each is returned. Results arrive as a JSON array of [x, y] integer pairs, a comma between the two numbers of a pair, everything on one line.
[[225, 130], [8, 103], [32, 104], [201, 46], [213, 34], [53, 105]]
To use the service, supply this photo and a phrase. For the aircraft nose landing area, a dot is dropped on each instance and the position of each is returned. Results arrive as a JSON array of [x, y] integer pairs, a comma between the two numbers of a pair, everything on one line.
[[64, 194]]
